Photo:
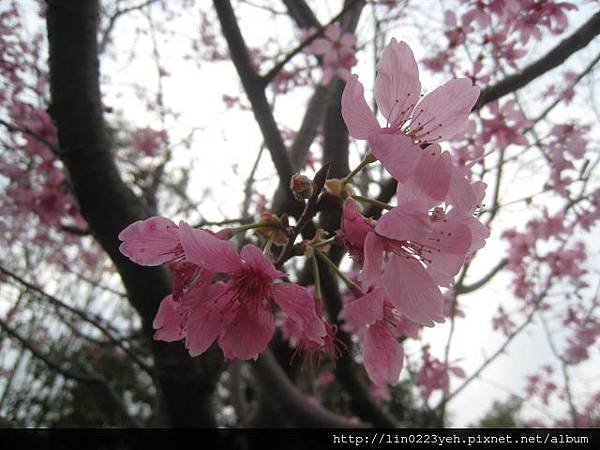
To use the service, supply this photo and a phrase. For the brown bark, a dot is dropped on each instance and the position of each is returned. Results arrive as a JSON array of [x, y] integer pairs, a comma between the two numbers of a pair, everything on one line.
[[185, 385]]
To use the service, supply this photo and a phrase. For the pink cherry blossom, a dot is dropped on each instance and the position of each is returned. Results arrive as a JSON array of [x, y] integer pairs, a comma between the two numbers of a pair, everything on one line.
[[149, 142], [410, 256], [238, 312], [534, 14], [439, 115], [337, 52], [374, 320], [354, 230], [434, 374], [507, 125]]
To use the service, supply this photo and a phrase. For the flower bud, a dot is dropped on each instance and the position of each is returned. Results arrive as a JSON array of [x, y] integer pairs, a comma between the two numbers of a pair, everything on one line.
[[302, 187], [338, 188]]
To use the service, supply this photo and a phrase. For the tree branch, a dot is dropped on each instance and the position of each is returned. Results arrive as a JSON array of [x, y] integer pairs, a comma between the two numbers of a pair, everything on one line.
[[388, 190], [108, 205], [254, 88], [302, 14], [579, 39], [297, 407], [491, 274], [73, 374], [95, 321]]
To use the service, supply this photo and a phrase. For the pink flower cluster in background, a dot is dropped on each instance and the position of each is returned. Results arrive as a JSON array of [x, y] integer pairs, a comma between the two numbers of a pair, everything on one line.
[[336, 49]]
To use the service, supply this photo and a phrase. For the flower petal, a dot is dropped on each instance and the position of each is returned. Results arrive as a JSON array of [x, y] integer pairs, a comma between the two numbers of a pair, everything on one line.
[[208, 319], [434, 172], [371, 270], [412, 290], [460, 193], [150, 242], [364, 310], [397, 87], [248, 333], [333, 32], [168, 322], [383, 356], [398, 154], [443, 113], [406, 222], [354, 225], [320, 46], [299, 306], [258, 261], [358, 116], [205, 250]]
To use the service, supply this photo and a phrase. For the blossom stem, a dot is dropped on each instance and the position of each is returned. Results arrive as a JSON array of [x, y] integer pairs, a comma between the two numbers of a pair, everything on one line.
[[317, 277], [324, 242], [267, 247], [372, 201], [356, 290], [368, 159], [250, 226]]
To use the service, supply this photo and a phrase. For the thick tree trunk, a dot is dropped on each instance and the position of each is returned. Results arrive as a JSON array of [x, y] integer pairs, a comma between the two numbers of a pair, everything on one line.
[[108, 205]]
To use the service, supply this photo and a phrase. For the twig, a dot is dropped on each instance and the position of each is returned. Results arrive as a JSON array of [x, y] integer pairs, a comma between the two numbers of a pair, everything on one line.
[[309, 212], [579, 39], [296, 404], [271, 74], [83, 315], [491, 274], [113, 20], [14, 128], [73, 374], [501, 349]]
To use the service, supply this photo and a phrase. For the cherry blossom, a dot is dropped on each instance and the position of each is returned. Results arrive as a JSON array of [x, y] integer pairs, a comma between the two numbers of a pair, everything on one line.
[[506, 126], [149, 142], [434, 374], [337, 52], [439, 115], [411, 255], [373, 318], [238, 312]]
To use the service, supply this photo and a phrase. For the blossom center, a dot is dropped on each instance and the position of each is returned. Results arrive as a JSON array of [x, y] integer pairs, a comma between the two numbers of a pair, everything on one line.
[[250, 285]]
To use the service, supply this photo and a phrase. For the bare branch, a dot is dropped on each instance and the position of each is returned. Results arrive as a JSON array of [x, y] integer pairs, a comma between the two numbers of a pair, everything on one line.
[[14, 128], [302, 14], [95, 321], [503, 347], [73, 374], [561, 97], [254, 87], [113, 20], [283, 393], [579, 39], [491, 274]]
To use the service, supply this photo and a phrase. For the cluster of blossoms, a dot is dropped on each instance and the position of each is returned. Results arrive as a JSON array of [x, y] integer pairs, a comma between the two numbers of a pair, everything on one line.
[[542, 387], [508, 26], [418, 246], [38, 200], [526, 18], [218, 294], [405, 258], [336, 49], [149, 142]]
